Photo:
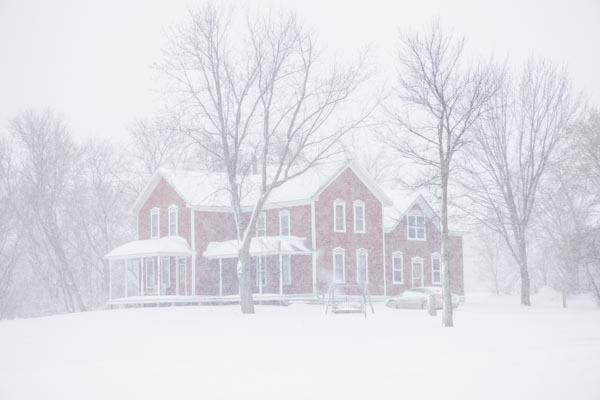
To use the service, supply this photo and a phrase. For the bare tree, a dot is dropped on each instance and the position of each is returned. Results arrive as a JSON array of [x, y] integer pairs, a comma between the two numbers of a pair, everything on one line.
[[439, 99], [515, 147], [264, 94]]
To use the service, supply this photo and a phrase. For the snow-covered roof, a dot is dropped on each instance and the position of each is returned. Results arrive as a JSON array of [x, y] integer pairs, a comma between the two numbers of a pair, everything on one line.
[[165, 246], [209, 189], [259, 246]]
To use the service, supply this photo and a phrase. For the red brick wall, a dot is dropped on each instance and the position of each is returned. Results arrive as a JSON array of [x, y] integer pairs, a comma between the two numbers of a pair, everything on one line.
[[349, 187], [397, 240]]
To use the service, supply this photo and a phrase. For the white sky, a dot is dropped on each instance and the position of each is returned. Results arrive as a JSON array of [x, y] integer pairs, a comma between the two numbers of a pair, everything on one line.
[[90, 61]]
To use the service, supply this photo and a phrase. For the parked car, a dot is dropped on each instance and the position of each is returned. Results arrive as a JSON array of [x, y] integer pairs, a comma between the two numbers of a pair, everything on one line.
[[417, 298]]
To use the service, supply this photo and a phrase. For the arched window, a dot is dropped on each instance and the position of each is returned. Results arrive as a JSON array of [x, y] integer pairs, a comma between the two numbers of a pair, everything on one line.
[[173, 217]]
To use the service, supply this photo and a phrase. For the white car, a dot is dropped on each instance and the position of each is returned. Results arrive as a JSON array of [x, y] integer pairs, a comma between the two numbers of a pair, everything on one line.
[[417, 298]]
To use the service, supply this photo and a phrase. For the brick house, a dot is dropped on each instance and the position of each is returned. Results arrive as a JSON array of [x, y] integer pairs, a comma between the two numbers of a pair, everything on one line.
[[332, 224]]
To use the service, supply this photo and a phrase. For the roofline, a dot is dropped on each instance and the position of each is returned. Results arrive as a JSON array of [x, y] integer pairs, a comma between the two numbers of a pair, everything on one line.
[[407, 209]]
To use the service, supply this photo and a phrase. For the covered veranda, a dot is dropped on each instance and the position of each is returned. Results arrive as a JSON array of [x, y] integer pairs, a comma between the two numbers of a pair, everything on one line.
[[151, 271]]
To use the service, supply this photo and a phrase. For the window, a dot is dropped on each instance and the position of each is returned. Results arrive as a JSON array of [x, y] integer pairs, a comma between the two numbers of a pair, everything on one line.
[[165, 265], [436, 269], [149, 263], [155, 223], [416, 227], [339, 216], [359, 217], [286, 269], [173, 220], [338, 265], [261, 272], [261, 225], [362, 266], [181, 276], [397, 273], [284, 223]]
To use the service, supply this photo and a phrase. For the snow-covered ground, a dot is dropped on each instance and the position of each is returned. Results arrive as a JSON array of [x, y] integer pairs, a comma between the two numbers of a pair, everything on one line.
[[497, 350]]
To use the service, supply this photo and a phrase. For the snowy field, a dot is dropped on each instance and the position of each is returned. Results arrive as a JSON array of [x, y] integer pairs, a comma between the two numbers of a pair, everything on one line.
[[497, 351]]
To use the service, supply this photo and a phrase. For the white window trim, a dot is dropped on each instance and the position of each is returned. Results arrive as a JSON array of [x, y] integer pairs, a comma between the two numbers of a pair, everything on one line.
[[178, 264], [285, 213], [165, 267], [342, 252], [261, 263], [364, 216], [436, 256], [289, 281], [336, 203], [360, 252], [424, 238], [149, 264], [173, 207], [395, 255], [262, 215], [155, 211]]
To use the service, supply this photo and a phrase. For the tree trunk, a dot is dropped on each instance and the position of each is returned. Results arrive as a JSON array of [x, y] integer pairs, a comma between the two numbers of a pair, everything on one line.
[[245, 281], [447, 319], [525, 284]]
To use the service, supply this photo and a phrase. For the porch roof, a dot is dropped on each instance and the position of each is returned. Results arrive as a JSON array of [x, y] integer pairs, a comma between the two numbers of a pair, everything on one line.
[[259, 246], [165, 246]]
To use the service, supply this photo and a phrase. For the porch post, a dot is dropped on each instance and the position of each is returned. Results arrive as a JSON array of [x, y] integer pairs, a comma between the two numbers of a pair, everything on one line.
[[140, 275], [110, 279], [125, 261], [158, 260], [220, 277], [176, 277], [281, 275]]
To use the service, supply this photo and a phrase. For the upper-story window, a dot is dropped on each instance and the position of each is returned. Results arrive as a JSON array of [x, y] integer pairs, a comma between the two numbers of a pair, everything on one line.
[[339, 216], [436, 269], [359, 216], [155, 223], [173, 220], [339, 265], [416, 227], [284, 223], [261, 225], [362, 266], [397, 271]]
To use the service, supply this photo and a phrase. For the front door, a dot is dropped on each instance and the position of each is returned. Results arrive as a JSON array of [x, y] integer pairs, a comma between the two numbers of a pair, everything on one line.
[[417, 273]]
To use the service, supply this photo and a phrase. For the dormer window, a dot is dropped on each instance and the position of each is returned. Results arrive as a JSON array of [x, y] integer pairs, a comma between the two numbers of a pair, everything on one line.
[[359, 216], [261, 225], [339, 216], [155, 223], [416, 227], [173, 220], [284, 223]]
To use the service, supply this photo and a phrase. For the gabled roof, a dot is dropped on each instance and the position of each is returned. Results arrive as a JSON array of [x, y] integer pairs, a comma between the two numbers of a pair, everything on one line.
[[209, 190], [403, 204]]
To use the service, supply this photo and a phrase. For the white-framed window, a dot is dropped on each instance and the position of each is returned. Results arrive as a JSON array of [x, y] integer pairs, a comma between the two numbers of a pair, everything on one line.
[[285, 261], [359, 216], [397, 270], [149, 271], [165, 265], [362, 266], [436, 269], [261, 224], [155, 223], [181, 276], [339, 265], [339, 216], [416, 227], [284, 223], [261, 272], [173, 224]]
